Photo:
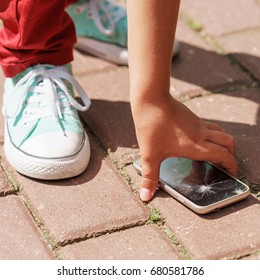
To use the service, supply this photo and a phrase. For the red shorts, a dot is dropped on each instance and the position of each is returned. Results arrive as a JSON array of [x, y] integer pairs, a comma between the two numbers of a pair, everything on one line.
[[34, 32]]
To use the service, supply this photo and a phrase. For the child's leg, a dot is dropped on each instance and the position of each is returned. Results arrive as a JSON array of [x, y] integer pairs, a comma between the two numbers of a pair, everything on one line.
[[44, 137], [34, 32]]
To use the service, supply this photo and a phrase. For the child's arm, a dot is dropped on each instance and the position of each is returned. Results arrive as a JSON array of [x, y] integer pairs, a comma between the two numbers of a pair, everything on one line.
[[164, 126]]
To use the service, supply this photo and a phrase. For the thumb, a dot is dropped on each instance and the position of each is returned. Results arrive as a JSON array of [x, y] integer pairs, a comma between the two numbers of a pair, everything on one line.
[[150, 178]]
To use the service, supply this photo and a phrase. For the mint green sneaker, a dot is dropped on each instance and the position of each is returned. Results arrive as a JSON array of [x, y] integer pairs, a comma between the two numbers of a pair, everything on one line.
[[101, 27], [44, 137]]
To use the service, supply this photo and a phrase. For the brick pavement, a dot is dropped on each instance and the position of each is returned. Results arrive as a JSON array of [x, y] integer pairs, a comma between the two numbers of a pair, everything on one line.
[[98, 215]]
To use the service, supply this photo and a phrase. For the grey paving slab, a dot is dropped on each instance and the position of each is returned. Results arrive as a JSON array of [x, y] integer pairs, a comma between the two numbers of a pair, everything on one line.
[[238, 113], [97, 201], [199, 67], [141, 243], [223, 17], [19, 237], [245, 47]]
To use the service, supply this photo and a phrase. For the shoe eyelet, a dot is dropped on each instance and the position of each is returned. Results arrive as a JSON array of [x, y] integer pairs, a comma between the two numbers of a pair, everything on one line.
[[25, 113], [25, 123], [89, 15], [78, 10]]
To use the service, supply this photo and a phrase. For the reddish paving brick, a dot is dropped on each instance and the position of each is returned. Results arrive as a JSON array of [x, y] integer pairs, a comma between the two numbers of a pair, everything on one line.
[[246, 49], [110, 115], [5, 188], [19, 237], [199, 67], [140, 243], [252, 257], [97, 201], [239, 114], [113, 85], [85, 64], [229, 233], [223, 17]]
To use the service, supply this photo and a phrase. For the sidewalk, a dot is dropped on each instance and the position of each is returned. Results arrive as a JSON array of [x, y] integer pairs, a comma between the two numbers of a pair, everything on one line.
[[98, 215]]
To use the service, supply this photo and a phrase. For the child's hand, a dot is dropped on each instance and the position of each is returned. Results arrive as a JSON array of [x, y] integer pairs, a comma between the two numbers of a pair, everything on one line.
[[167, 128]]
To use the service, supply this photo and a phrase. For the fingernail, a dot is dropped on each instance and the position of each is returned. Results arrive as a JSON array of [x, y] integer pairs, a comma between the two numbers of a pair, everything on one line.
[[145, 194]]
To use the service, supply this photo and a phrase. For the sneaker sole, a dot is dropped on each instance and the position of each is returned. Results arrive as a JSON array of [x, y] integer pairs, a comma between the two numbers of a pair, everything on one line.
[[47, 169], [107, 51], [110, 52]]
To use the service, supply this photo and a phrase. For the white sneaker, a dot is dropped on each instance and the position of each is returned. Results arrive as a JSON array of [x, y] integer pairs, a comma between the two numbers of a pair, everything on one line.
[[44, 137]]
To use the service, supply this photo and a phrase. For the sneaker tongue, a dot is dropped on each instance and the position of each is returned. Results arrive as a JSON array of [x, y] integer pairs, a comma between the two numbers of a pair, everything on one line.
[[19, 76]]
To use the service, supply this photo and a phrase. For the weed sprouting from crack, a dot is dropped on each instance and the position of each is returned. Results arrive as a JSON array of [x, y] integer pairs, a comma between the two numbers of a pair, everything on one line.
[[254, 188], [10, 179], [121, 169], [46, 233], [181, 249], [156, 218], [195, 25]]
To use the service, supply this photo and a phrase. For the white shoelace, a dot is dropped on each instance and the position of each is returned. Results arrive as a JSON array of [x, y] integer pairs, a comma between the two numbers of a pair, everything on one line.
[[110, 15], [46, 92]]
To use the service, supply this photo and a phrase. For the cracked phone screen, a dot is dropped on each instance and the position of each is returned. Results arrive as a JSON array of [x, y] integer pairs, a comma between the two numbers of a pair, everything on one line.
[[198, 181]]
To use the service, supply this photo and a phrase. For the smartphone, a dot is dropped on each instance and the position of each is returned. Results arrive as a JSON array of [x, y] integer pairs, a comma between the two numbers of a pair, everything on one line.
[[201, 186]]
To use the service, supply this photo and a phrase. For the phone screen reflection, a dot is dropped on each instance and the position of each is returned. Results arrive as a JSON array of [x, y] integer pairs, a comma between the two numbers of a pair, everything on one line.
[[199, 181]]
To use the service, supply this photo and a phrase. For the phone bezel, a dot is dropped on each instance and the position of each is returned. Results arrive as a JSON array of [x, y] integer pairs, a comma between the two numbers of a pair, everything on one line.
[[193, 206]]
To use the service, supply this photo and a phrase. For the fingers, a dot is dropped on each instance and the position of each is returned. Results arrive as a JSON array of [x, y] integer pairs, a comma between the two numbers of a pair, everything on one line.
[[150, 178], [213, 126], [223, 139], [221, 156]]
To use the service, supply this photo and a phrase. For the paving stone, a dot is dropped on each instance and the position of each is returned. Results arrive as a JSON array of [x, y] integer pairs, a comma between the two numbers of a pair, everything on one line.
[[245, 47], [223, 17], [229, 233], [252, 257], [238, 113], [19, 237], [5, 188], [97, 201], [84, 64], [199, 68], [140, 243], [110, 115]]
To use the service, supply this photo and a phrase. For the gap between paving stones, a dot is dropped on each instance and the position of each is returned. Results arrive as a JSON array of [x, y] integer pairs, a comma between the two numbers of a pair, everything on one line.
[[44, 231], [197, 27], [8, 192], [255, 253], [155, 218]]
